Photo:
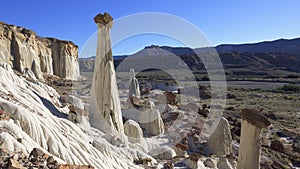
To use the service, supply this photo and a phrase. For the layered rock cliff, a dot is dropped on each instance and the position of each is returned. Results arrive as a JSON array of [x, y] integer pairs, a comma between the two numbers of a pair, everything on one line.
[[22, 48]]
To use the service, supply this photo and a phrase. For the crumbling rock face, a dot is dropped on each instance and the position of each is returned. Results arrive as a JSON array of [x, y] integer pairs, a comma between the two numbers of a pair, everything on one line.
[[22, 48]]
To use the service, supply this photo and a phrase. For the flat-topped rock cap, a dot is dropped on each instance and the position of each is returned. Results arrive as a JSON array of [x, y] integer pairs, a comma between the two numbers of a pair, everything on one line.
[[255, 118], [104, 19]]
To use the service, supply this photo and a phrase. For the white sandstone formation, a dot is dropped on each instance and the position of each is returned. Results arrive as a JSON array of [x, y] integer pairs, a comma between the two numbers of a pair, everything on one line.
[[151, 121], [148, 118], [249, 152], [220, 142], [133, 131], [134, 87], [36, 122], [105, 111], [163, 153], [22, 48]]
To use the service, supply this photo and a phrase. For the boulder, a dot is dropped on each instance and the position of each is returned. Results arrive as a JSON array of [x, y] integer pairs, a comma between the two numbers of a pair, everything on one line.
[[77, 115], [152, 122], [277, 145], [148, 118], [133, 131], [171, 98], [220, 142], [70, 99], [194, 162], [36, 152], [163, 153], [146, 162], [210, 163], [181, 150], [14, 164]]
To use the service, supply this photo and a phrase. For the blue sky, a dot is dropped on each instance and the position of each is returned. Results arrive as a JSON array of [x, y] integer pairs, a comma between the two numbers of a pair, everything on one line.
[[221, 21]]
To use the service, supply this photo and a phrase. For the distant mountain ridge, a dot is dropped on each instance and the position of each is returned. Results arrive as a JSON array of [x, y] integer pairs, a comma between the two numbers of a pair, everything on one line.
[[287, 46], [280, 54]]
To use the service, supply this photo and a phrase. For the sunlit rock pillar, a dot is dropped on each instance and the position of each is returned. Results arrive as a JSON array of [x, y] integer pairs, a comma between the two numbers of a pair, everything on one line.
[[105, 111], [134, 87], [249, 152]]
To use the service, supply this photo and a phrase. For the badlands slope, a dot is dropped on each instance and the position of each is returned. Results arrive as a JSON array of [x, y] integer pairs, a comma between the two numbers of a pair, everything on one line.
[[36, 117]]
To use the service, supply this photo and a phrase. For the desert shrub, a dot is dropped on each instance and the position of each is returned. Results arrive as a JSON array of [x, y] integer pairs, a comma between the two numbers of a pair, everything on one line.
[[289, 88], [292, 76]]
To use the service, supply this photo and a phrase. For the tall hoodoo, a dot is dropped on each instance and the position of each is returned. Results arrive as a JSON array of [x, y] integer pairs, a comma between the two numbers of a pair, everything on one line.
[[105, 113], [249, 152]]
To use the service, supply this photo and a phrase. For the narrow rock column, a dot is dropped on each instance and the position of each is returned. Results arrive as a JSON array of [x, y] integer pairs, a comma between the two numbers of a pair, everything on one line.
[[249, 152], [134, 87], [220, 142], [105, 111]]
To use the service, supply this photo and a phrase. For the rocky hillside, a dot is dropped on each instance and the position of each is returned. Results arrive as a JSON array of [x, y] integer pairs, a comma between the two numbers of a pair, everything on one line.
[[23, 49]]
